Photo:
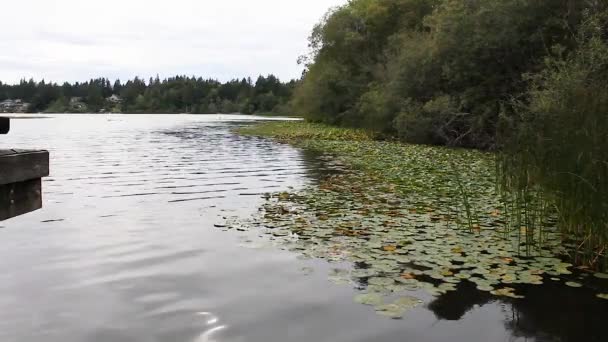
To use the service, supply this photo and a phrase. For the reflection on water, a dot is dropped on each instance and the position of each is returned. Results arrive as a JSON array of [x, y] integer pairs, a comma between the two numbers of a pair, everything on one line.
[[550, 312], [125, 249]]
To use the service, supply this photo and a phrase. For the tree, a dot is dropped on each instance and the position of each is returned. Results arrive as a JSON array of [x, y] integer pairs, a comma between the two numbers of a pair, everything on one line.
[[95, 99], [117, 88], [446, 67]]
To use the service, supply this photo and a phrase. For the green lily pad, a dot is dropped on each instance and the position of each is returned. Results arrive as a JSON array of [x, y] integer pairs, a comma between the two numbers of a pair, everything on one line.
[[574, 284], [485, 288], [601, 275], [390, 310], [373, 299], [380, 281], [407, 302]]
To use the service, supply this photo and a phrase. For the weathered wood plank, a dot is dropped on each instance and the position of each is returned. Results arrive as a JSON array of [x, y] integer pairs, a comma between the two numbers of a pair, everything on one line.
[[20, 178], [20, 198], [18, 165]]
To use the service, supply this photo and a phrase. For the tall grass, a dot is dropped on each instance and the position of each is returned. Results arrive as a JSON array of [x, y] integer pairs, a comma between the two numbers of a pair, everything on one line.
[[463, 199], [555, 153]]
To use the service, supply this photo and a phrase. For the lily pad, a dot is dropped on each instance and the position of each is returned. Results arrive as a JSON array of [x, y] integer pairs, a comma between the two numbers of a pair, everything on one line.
[[506, 292], [485, 288], [380, 281], [390, 310], [373, 299], [407, 302]]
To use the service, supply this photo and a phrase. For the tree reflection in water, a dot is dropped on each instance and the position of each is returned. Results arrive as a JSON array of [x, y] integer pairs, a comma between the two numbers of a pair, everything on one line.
[[551, 312]]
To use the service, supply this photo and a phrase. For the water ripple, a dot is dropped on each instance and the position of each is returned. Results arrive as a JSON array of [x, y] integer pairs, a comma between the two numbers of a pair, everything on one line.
[[125, 248]]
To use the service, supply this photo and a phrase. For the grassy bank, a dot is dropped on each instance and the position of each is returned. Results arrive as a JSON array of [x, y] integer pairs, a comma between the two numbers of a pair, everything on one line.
[[419, 217]]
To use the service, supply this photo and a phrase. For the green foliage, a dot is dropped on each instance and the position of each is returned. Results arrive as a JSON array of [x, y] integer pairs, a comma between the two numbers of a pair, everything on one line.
[[95, 99], [61, 105], [555, 150], [428, 71], [348, 54]]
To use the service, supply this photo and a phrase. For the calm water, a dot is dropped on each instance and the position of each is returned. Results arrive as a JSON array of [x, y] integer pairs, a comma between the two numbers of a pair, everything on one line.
[[125, 249]]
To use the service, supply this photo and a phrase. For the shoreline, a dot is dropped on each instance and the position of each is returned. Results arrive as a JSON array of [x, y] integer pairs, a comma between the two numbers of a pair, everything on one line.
[[440, 204]]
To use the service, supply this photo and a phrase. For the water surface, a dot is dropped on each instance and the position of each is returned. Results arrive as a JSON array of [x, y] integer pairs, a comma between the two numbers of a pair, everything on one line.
[[127, 248]]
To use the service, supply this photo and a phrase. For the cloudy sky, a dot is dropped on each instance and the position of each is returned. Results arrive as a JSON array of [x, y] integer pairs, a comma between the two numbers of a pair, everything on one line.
[[75, 40]]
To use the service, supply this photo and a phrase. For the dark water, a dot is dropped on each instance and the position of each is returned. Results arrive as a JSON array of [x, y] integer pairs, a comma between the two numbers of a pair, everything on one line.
[[125, 249]]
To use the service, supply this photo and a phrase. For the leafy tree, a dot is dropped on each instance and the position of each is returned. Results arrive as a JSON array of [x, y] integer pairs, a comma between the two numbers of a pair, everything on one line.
[[95, 99], [446, 67]]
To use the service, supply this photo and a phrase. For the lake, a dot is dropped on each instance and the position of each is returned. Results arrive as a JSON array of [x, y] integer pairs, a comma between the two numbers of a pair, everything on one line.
[[130, 247]]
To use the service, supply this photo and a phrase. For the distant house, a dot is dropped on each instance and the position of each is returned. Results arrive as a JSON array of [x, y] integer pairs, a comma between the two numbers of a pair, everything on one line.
[[114, 99], [13, 106]]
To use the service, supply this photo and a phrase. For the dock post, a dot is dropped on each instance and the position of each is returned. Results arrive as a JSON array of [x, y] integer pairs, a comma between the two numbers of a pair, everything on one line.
[[21, 173]]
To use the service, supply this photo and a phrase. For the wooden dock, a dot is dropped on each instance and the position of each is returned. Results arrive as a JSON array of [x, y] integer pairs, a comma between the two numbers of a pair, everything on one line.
[[21, 173]]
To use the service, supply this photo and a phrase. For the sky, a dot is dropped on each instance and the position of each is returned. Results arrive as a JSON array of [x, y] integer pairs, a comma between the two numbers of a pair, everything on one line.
[[76, 40]]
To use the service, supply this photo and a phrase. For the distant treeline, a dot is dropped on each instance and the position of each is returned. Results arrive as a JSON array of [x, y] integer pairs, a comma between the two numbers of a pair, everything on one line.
[[178, 94]]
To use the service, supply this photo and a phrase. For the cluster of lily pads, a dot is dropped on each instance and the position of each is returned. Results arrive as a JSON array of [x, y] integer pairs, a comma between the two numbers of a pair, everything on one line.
[[395, 214]]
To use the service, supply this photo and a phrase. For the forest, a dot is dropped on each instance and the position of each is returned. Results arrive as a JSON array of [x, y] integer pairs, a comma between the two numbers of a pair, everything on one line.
[[179, 94]]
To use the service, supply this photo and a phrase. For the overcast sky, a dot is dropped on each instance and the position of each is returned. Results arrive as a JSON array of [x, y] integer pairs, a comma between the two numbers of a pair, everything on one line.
[[75, 40]]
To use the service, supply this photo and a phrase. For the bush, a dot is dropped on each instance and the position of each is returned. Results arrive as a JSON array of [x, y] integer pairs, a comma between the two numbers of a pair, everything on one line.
[[557, 145]]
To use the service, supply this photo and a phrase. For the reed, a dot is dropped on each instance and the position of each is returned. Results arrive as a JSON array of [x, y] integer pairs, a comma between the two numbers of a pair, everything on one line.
[[555, 150], [463, 200]]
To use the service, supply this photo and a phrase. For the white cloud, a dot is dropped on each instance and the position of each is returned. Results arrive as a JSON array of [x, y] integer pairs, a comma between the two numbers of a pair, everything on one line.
[[71, 40]]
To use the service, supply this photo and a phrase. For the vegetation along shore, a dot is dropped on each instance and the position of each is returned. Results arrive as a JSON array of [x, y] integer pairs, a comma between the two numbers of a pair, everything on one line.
[[525, 79], [413, 217]]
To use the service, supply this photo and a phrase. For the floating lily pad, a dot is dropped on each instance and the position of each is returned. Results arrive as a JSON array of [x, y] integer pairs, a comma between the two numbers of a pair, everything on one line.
[[373, 299], [485, 288], [391, 310], [574, 284], [506, 292], [601, 275], [407, 302], [380, 281]]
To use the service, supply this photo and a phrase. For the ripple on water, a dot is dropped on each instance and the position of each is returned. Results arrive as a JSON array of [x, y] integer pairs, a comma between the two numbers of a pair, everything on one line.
[[131, 203]]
